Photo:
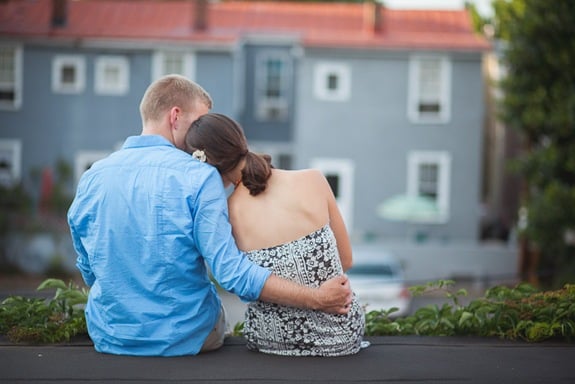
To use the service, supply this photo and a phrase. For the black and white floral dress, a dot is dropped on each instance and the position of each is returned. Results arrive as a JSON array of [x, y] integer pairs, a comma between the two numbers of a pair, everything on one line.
[[282, 330]]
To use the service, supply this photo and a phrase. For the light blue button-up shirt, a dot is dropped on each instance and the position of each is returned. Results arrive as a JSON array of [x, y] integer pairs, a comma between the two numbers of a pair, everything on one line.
[[145, 222]]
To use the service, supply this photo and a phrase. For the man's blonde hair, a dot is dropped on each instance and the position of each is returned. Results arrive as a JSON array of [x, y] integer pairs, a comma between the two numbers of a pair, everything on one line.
[[171, 91]]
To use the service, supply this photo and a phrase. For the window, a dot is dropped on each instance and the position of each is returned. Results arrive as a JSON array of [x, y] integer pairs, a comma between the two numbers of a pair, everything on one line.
[[429, 90], [10, 77], [333, 181], [340, 176], [178, 62], [429, 175], [68, 74], [283, 161], [281, 154], [273, 73], [112, 75], [10, 162], [332, 82], [84, 160]]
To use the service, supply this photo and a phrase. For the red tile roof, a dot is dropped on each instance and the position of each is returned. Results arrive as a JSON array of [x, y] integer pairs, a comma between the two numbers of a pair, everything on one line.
[[316, 24]]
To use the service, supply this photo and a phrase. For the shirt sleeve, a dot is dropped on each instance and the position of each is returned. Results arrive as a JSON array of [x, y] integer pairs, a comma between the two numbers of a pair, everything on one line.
[[213, 235], [82, 261]]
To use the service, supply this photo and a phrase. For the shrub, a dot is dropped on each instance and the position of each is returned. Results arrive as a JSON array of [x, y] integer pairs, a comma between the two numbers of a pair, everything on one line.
[[518, 313], [36, 320]]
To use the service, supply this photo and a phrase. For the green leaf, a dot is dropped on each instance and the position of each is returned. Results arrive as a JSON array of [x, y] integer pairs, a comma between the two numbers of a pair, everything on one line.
[[465, 317], [51, 283]]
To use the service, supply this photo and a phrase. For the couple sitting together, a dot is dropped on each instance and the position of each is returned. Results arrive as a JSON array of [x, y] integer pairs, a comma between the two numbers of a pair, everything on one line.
[[152, 220]]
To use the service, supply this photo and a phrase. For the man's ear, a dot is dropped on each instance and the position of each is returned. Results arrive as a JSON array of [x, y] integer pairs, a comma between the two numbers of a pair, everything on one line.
[[175, 114]]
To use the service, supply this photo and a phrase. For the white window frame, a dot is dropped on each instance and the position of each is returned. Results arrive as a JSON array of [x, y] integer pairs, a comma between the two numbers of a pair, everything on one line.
[[344, 169], [78, 62], [14, 81], [11, 152], [102, 84], [443, 161], [84, 160], [276, 151], [322, 73], [443, 96], [277, 108], [159, 64]]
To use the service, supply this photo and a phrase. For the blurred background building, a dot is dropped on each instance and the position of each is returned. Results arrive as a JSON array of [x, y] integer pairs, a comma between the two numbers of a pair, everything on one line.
[[394, 106]]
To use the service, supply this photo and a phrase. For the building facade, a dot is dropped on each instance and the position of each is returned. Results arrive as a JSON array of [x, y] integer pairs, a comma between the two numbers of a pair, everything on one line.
[[385, 102]]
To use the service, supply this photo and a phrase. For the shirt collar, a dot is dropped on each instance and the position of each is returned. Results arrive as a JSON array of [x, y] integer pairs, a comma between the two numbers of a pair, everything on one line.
[[146, 141]]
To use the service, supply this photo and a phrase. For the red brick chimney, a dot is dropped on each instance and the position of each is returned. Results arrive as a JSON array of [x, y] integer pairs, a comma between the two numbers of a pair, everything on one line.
[[373, 16], [59, 13], [200, 15]]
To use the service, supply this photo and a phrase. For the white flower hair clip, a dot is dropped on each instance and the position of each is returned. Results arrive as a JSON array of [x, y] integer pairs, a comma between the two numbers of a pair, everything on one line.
[[200, 155]]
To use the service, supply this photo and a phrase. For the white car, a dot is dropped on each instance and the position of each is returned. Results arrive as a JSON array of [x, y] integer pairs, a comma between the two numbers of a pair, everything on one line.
[[377, 279]]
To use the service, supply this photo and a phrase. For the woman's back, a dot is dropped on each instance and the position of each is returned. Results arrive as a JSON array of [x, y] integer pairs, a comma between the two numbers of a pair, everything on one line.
[[293, 205], [289, 229]]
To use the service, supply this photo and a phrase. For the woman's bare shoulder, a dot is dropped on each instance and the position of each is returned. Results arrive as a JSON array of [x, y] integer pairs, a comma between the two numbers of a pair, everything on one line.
[[310, 179], [308, 173]]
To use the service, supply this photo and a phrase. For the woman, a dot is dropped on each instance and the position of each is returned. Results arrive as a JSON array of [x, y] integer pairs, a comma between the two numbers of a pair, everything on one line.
[[289, 222]]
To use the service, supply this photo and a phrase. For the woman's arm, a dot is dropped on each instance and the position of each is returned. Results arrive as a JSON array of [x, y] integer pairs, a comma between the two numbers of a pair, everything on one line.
[[338, 227]]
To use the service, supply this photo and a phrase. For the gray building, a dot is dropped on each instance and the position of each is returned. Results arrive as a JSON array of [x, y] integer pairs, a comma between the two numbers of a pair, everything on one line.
[[385, 102]]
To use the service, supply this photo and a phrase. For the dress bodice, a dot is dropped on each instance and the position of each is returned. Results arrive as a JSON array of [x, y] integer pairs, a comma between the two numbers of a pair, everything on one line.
[[282, 330]]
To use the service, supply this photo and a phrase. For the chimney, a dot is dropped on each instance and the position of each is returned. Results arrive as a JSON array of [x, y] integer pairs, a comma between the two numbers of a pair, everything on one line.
[[200, 15], [59, 13], [373, 16]]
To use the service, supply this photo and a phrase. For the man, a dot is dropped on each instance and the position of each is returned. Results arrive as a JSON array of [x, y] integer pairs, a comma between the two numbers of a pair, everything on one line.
[[148, 221]]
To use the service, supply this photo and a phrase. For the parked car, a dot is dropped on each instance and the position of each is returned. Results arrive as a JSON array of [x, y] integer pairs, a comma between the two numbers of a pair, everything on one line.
[[377, 279]]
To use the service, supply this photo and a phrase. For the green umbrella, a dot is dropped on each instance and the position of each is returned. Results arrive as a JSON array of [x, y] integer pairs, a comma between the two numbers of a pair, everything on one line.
[[408, 208]]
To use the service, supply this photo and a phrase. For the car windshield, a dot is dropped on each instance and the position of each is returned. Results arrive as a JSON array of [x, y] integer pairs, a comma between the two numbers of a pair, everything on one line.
[[373, 270]]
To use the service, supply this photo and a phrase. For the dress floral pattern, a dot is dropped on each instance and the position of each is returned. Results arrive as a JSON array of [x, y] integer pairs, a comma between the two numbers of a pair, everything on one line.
[[281, 330]]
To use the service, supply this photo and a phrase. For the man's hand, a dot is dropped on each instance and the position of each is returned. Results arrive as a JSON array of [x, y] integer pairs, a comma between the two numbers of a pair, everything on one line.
[[335, 295]]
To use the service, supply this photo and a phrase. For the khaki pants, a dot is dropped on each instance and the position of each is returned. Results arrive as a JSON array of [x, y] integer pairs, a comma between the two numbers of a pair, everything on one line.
[[216, 337]]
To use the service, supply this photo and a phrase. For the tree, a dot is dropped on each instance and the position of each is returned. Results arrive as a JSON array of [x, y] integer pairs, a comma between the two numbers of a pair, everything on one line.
[[539, 101]]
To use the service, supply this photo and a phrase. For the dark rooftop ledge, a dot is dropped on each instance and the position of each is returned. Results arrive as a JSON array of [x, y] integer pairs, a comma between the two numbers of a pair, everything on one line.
[[411, 359]]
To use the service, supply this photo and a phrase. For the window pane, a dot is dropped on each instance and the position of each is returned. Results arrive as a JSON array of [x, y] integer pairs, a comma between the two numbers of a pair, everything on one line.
[[332, 82], [7, 95], [7, 70], [5, 164], [111, 74], [284, 161], [333, 181], [272, 87], [174, 63], [273, 81], [68, 73], [428, 180], [429, 107], [430, 79], [429, 86], [7, 74], [9, 162]]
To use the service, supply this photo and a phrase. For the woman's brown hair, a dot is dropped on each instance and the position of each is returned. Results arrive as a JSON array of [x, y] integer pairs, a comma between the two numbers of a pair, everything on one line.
[[224, 144]]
